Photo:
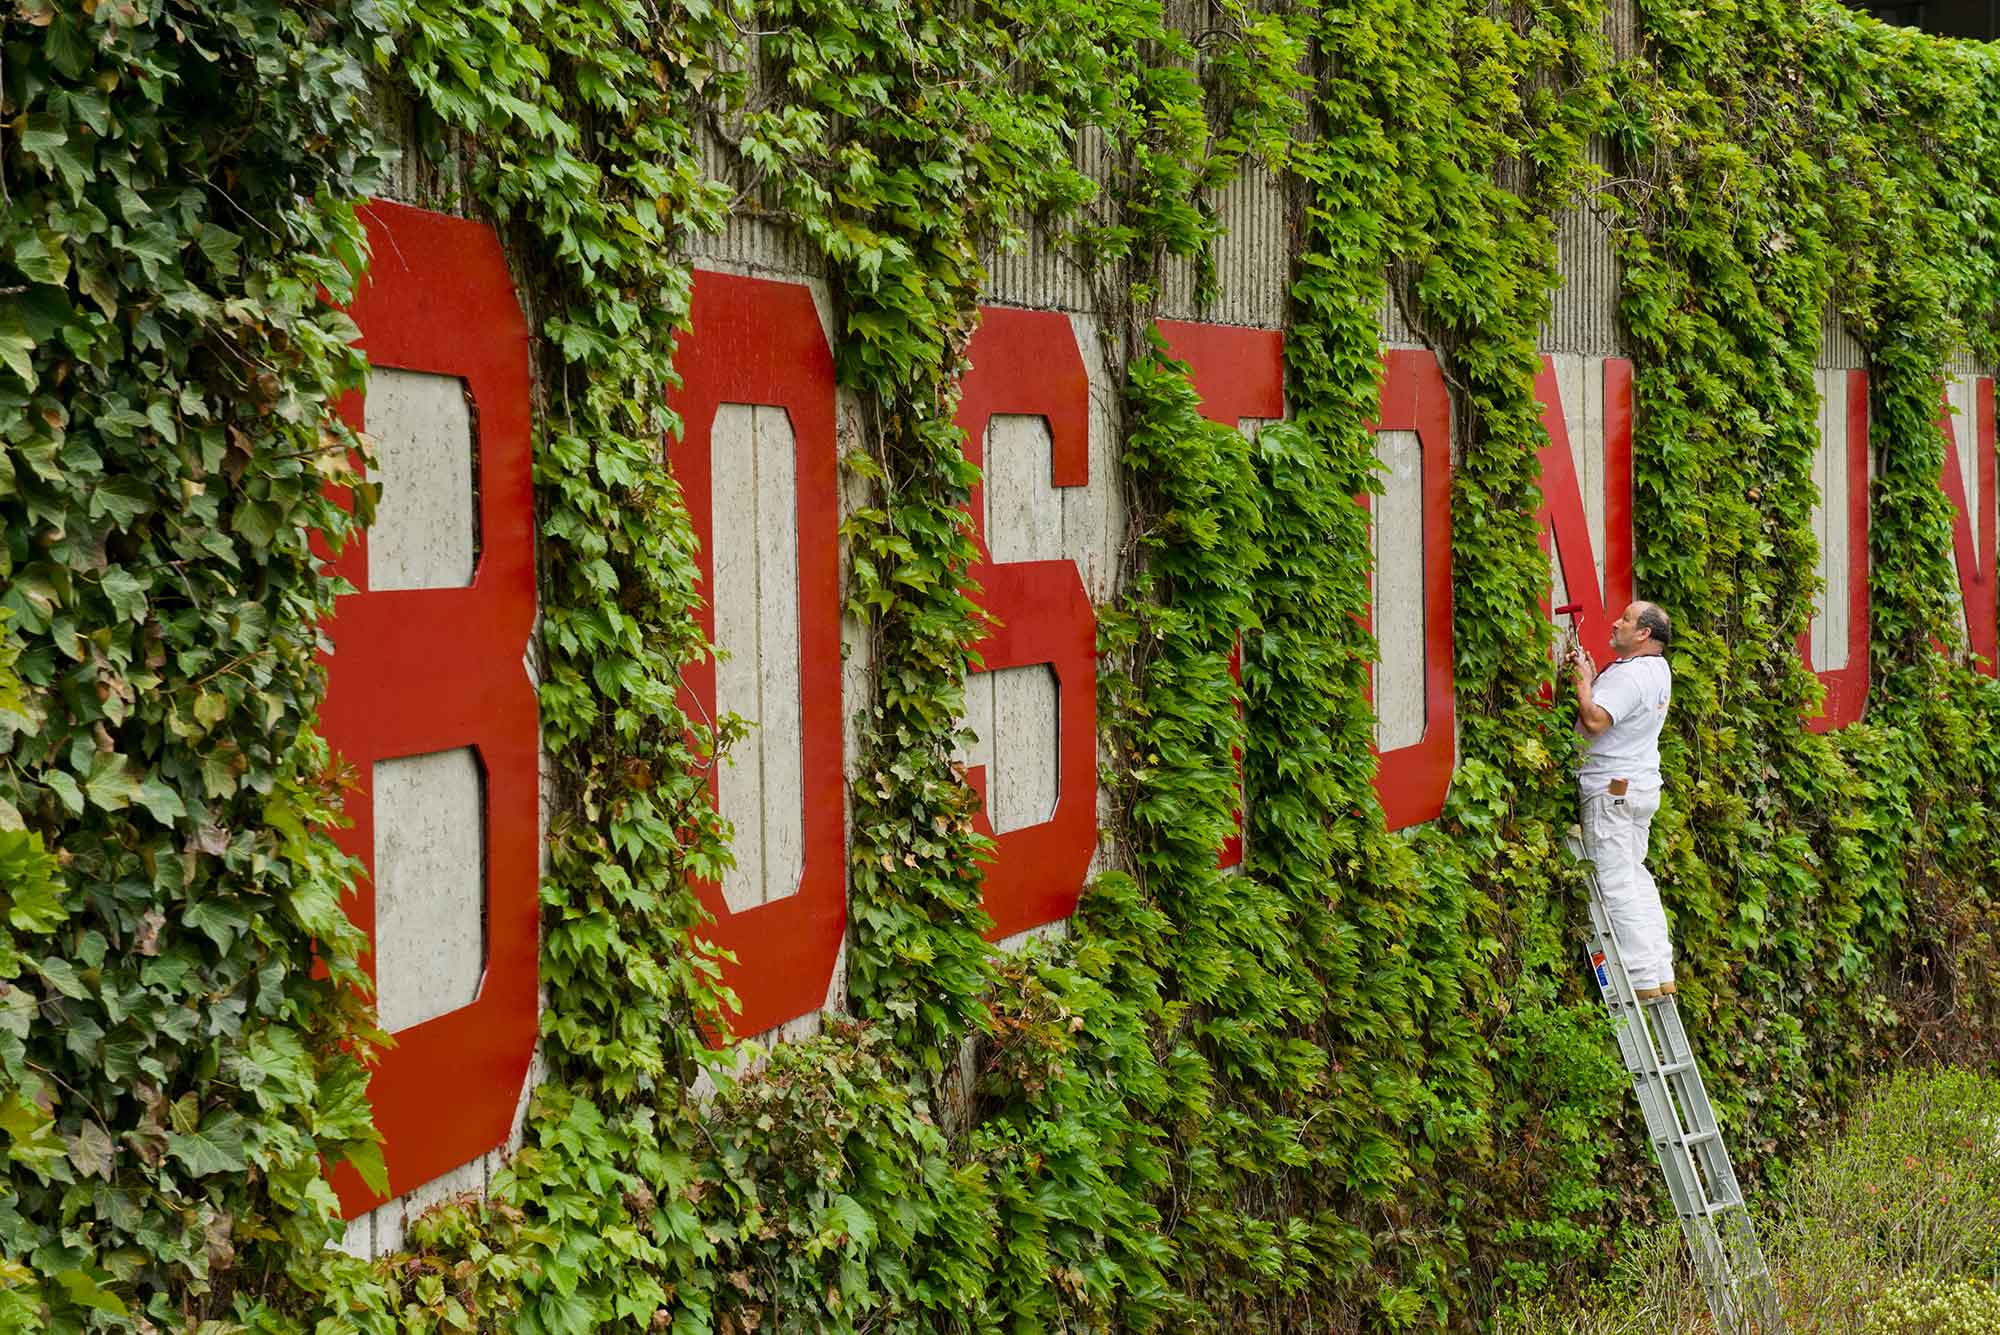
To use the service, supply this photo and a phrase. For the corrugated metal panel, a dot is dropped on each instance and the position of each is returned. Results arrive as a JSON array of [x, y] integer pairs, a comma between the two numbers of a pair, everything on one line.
[[1253, 258], [1838, 348], [1963, 362], [1396, 331], [1621, 25], [748, 241], [1583, 311], [413, 178], [1041, 274]]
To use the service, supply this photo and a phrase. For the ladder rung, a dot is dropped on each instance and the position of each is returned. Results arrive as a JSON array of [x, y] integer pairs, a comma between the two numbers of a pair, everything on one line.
[[1713, 1213], [1698, 1138], [1664, 1068]]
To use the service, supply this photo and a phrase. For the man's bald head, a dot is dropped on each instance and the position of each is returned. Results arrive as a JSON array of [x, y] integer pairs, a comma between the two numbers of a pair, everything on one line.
[[1642, 629], [1649, 618]]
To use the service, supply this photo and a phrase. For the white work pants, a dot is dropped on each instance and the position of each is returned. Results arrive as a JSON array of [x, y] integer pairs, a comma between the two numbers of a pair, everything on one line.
[[1615, 832]]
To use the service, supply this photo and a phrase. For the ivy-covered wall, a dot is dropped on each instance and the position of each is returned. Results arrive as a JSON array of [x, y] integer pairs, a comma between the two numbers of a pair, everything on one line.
[[1356, 1084]]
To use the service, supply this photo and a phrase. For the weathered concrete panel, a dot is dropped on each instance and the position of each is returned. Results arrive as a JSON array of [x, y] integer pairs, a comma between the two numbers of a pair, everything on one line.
[[1024, 509], [1026, 776], [1399, 591], [1961, 395], [1580, 381], [1830, 622], [430, 885], [740, 777], [781, 717], [1024, 522], [1094, 515], [359, 1239], [425, 534], [758, 672]]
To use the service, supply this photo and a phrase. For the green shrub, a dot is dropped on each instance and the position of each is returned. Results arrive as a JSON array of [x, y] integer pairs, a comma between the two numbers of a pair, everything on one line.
[[1912, 1187], [1892, 1226], [1936, 1307]]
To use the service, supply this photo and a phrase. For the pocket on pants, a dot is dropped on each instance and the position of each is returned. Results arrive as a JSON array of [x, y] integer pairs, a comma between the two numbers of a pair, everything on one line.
[[1607, 828], [1606, 807]]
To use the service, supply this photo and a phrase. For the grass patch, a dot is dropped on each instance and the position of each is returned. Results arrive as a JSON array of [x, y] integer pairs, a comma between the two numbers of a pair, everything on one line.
[[1892, 1228]]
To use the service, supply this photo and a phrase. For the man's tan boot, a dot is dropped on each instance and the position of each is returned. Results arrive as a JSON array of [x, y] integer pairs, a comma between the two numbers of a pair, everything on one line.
[[1649, 993]]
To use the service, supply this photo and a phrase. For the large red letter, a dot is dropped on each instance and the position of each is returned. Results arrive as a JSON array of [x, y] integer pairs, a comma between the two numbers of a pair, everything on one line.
[[759, 343], [1412, 780], [1975, 563], [424, 670], [1240, 374], [1563, 519], [1027, 362], [1844, 421]]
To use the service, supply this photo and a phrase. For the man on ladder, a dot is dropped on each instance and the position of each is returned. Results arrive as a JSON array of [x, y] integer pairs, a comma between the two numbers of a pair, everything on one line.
[[1622, 710]]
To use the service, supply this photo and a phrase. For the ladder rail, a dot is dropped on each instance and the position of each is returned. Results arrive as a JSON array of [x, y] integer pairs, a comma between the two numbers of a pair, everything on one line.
[[1672, 1129], [1685, 1137]]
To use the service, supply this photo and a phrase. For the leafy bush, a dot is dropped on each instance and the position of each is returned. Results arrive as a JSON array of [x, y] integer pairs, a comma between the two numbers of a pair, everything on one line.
[[1913, 1185], [1936, 1307], [1892, 1226]]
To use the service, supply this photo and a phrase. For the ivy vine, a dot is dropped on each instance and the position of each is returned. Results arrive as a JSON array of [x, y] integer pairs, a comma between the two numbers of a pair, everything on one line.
[[1358, 1083]]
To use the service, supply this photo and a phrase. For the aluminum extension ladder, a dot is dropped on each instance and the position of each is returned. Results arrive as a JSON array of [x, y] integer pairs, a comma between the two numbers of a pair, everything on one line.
[[1686, 1142]]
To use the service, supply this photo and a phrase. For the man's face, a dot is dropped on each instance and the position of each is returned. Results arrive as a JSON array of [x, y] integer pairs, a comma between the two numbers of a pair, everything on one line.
[[1625, 632]]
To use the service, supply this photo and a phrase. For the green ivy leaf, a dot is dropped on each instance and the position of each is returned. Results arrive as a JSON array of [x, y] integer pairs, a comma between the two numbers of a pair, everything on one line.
[[17, 1010], [41, 256], [62, 976], [221, 920], [64, 788], [216, 1146], [127, 593], [161, 800], [17, 350], [30, 882], [91, 1152], [121, 499], [220, 246], [31, 1132], [366, 1157], [113, 782], [83, 1289], [258, 522]]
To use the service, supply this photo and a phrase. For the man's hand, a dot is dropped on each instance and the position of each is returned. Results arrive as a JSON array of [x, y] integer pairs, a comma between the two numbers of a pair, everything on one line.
[[1586, 671], [1590, 716]]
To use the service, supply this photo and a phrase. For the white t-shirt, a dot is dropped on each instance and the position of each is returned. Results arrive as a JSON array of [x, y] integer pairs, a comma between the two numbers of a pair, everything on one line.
[[1635, 692]]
